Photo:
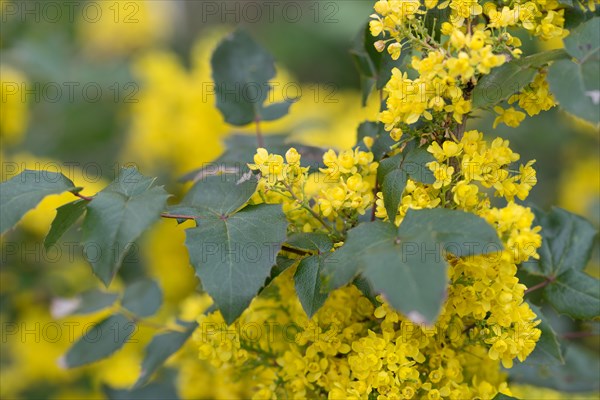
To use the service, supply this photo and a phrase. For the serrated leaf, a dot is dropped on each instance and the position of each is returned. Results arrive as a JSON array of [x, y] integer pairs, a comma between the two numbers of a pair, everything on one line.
[[576, 85], [234, 255], [241, 70], [116, 217], [85, 303], [142, 297], [579, 373], [394, 172], [407, 264], [575, 294], [99, 342], [66, 216], [510, 78], [217, 195], [307, 281], [547, 349], [24, 191], [458, 232], [567, 243], [275, 111], [160, 348]]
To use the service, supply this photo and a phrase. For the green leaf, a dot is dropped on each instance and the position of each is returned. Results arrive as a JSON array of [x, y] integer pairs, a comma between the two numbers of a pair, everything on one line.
[[241, 70], [394, 172], [66, 216], [576, 294], [576, 85], [24, 191], [161, 347], [547, 350], [310, 242], [275, 111], [510, 78], [579, 373], [233, 255], [116, 217], [459, 233], [102, 340], [85, 303], [407, 264], [307, 281], [583, 42], [567, 243], [217, 195], [142, 297], [345, 263]]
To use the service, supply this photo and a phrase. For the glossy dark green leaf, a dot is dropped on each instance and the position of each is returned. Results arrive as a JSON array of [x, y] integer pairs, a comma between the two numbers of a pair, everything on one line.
[[66, 216], [346, 262], [394, 172], [234, 255], [116, 217], [576, 85], [575, 294], [407, 265], [567, 243], [142, 297], [217, 195], [510, 78], [307, 280], [85, 303], [99, 342], [241, 70], [24, 191], [310, 242], [160, 348], [579, 373]]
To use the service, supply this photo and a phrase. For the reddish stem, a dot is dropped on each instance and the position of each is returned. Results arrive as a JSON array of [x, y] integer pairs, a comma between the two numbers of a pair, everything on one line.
[[541, 284]]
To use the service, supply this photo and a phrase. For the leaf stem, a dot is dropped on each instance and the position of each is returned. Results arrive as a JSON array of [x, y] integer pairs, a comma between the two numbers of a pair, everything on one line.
[[178, 216], [541, 285], [86, 198], [293, 250]]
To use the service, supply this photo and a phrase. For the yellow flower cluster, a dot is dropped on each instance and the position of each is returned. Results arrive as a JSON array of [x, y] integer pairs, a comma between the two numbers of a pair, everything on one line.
[[443, 80], [463, 170], [333, 198]]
